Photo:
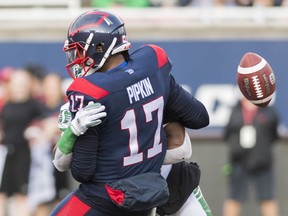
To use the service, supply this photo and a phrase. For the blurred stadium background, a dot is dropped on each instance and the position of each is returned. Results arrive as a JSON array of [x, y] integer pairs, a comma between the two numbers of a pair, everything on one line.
[[205, 45]]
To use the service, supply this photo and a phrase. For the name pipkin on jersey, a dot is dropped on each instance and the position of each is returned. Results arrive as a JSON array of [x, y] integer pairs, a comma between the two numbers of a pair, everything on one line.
[[140, 90]]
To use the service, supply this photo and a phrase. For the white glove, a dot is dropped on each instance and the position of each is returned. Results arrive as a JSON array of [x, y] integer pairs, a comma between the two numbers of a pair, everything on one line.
[[65, 117], [86, 117]]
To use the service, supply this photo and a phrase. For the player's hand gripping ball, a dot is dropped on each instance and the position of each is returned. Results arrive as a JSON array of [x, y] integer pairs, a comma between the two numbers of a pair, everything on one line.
[[256, 79]]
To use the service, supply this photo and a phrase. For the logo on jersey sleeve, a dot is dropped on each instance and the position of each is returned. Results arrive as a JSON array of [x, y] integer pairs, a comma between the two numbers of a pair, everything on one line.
[[130, 71], [140, 90]]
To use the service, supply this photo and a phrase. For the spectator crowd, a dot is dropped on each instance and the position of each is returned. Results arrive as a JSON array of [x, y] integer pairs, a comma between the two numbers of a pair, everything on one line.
[[30, 100]]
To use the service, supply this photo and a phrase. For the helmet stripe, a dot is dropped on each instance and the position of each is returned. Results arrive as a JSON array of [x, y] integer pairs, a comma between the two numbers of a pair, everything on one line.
[[104, 15]]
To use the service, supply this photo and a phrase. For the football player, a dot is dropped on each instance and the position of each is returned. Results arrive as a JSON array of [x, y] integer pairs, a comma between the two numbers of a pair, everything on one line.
[[128, 148], [183, 180]]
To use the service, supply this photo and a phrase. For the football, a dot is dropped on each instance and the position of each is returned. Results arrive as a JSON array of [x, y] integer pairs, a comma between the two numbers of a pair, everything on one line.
[[256, 79]]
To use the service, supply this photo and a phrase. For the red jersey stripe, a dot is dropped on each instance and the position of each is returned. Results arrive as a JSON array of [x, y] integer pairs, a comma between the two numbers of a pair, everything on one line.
[[74, 207], [161, 55], [85, 87]]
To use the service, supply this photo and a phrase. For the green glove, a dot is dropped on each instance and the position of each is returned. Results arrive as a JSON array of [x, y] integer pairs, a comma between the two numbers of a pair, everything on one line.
[[65, 117]]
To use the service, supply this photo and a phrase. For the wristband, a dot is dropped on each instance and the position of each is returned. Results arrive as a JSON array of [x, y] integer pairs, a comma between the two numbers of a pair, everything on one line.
[[66, 142]]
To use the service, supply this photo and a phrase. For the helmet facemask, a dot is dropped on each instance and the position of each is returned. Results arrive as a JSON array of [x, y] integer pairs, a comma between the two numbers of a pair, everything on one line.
[[78, 62]]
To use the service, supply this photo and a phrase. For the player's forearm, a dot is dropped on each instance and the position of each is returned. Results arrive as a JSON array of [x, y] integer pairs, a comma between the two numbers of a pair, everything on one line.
[[175, 134], [63, 150], [61, 161], [180, 153], [66, 141]]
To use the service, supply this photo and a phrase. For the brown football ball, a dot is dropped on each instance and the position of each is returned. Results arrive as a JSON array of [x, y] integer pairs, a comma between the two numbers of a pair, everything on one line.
[[256, 79]]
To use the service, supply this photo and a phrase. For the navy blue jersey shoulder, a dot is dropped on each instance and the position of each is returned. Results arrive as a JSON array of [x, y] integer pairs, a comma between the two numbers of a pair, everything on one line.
[[145, 62], [131, 139]]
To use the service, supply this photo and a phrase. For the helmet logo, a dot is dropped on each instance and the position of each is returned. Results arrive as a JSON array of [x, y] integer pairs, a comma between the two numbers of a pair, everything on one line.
[[74, 30]]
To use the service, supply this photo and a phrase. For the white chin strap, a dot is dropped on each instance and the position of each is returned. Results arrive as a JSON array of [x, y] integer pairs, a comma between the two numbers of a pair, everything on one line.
[[106, 55], [121, 48]]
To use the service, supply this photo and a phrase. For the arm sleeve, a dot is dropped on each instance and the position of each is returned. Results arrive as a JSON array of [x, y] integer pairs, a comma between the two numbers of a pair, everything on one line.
[[61, 161], [66, 142], [84, 156], [185, 108], [63, 152]]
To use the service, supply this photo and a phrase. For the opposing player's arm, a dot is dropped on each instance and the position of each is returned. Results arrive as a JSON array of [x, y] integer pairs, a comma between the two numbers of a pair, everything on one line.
[[89, 116], [179, 144], [175, 133]]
